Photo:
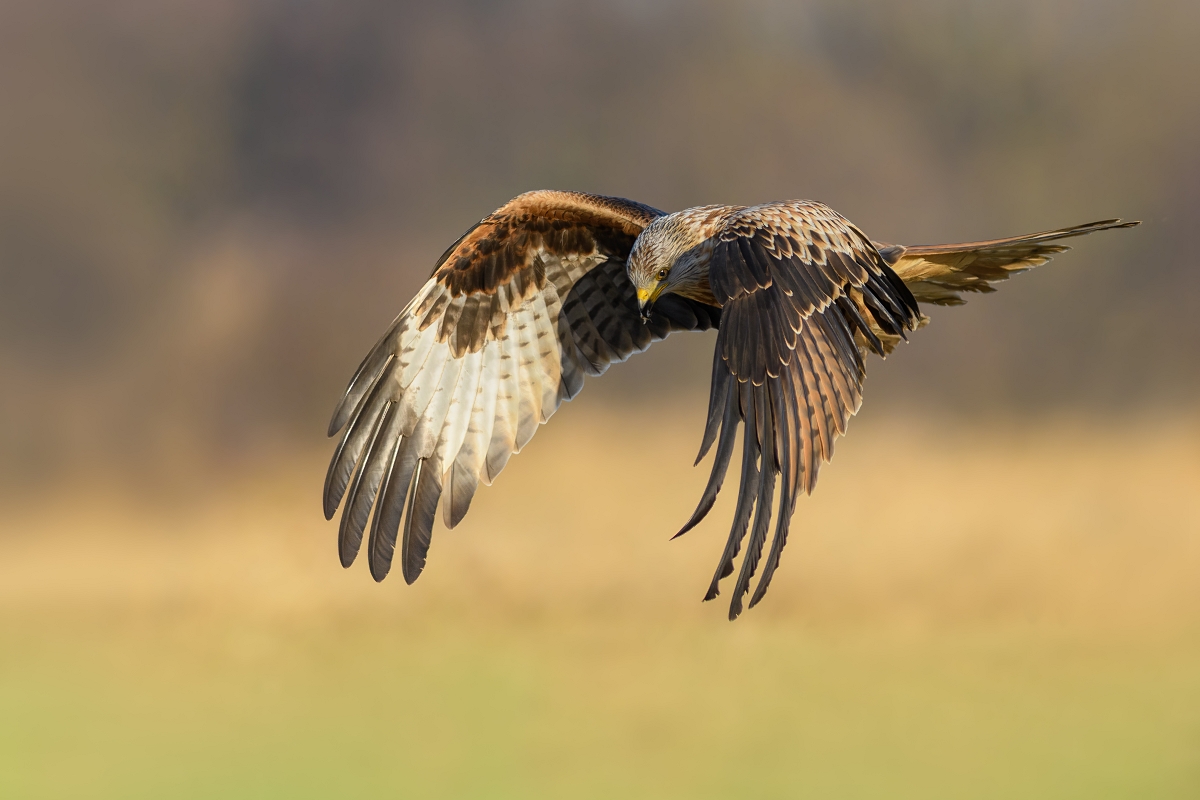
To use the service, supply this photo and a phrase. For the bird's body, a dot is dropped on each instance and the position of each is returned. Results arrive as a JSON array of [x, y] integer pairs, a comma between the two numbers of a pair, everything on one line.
[[554, 286]]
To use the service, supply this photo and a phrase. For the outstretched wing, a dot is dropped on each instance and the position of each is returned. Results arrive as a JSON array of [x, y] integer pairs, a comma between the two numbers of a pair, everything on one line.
[[940, 273], [516, 313], [798, 284]]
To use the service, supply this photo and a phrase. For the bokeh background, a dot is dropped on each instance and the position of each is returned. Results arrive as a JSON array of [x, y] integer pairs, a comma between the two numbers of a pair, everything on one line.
[[210, 210]]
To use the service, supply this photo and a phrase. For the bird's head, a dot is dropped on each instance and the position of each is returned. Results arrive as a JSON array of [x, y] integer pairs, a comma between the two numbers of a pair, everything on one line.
[[670, 256]]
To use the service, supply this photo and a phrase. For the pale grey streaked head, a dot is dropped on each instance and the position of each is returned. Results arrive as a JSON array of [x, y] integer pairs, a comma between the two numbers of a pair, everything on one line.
[[670, 256]]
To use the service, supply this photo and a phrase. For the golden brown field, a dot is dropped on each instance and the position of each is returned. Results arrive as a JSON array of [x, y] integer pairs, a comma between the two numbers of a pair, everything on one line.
[[963, 612]]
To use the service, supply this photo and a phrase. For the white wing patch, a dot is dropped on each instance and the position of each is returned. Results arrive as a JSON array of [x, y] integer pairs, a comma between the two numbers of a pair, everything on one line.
[[464, 417]]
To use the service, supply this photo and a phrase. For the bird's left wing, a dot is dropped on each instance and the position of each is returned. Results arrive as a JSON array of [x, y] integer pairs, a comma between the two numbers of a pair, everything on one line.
[[797, 282], [516, 312]]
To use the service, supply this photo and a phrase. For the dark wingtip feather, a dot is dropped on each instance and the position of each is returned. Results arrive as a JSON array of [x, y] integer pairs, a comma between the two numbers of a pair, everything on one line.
[[340, 415], [459, 491], [381, 547], [782, 527], [879, 311], [716, 478], [718, 399], [367, 374], [358, 388], [330, 508], [706, 504], [418, 520], [363, 492], [849, 308], [724, 570], [349, 449], [382, 542], [747, 493], [335, 487], [762, 511]]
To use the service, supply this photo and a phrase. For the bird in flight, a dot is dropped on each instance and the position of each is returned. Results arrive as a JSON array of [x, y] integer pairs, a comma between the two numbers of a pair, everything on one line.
[[554, 286]]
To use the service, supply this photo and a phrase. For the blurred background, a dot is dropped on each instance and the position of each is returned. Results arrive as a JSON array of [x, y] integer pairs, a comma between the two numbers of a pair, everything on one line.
[[210, 210]]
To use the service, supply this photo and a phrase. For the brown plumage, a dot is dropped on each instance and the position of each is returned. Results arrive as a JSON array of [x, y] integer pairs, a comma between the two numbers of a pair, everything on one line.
[[554, 286]]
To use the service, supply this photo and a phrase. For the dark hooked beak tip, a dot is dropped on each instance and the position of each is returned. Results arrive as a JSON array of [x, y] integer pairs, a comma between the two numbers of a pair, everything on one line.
[[647, 313]]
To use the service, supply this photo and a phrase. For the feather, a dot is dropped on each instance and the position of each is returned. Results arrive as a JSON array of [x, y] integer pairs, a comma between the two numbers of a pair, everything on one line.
[[458, 413], [416, 400], [548, 358], [766, 489], [414, 353], [757, 267], [508, 408], [882, 314], [746, 495], [418, 520], [806, 424], [366, 484], [459, 484], [782, 526], [428, 429], [842, 397], [392, 491], [729, 429], [850, 310], [718, 398], [346, 456], [472, 455], [365, 377], [729, 283], [938, 273], [530, 380], [825, 403]]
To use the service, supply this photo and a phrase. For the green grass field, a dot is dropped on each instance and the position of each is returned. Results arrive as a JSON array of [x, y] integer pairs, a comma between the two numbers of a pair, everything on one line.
[[1011, 613]]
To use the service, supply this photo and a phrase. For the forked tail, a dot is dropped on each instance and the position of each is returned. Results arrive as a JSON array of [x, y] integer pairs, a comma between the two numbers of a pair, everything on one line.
[[939, 273]]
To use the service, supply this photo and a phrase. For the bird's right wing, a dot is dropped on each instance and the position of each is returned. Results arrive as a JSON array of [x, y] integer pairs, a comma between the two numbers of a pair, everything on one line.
[[939, 273], [516, 312]]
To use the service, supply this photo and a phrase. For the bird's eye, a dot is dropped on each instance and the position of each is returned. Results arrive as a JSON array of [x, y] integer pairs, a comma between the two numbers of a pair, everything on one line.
[[662, 274]]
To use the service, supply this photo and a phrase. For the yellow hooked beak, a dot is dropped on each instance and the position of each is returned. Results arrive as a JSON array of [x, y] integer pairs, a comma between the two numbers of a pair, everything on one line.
[[647, 298]]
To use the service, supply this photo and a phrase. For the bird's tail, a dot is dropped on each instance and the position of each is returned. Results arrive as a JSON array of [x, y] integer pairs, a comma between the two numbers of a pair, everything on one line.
[[940, 273]]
